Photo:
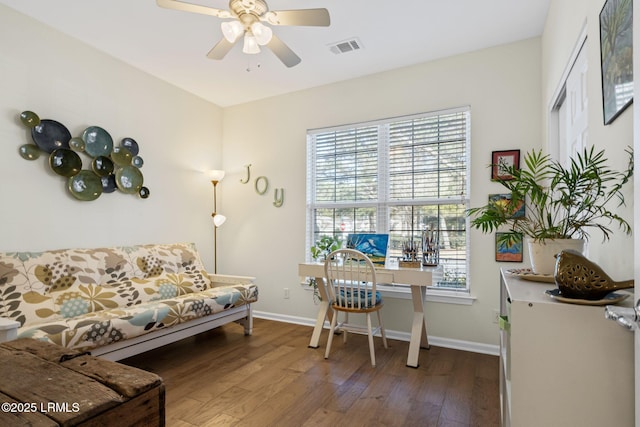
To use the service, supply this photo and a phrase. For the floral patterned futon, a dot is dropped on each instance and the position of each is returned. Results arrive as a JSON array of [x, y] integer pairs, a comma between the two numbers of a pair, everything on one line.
[[85, 298]]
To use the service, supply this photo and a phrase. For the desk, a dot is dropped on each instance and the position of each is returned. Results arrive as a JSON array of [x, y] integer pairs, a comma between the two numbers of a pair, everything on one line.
[[418, 279]]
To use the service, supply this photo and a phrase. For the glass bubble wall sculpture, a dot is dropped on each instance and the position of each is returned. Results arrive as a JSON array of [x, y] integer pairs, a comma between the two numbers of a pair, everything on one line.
[[109, 167]]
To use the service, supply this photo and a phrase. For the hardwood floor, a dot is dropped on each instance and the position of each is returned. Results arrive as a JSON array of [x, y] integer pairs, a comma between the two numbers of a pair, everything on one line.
[[222, 378]]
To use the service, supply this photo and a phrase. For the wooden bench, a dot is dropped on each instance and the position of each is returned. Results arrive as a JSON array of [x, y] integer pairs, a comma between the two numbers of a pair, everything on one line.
[[46, 385]]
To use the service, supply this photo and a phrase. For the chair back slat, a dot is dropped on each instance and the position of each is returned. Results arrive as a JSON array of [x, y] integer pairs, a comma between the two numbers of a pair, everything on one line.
[[351, 279]]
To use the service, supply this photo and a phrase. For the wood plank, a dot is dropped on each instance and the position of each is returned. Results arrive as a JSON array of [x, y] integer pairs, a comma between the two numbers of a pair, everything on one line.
[[209, 381], [458, 404], [42, 349], [256, 399], [126, 380], [306, 399], [395, 409], [323, 417], [423, 414], [182, 407], [221, 420], [209, 410], [278, 402], [16, 416], [365, 409], [146, 409], [68, 387], [23, 380]]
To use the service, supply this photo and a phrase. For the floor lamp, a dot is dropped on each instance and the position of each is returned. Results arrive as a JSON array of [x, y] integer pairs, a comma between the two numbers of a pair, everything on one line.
[[216, 176]]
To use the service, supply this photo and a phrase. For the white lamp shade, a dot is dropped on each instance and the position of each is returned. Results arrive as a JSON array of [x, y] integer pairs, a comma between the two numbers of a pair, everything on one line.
[[250, 44], [216, 175], [262, 33], [232, 30], [218, 220]]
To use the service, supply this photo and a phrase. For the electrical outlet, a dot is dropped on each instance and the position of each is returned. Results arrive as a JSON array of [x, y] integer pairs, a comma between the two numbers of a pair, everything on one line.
[[286, 293], [496, 316]]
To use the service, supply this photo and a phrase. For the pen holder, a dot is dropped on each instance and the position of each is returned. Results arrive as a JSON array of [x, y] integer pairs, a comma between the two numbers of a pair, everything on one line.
[[410, 255], [430, 249]]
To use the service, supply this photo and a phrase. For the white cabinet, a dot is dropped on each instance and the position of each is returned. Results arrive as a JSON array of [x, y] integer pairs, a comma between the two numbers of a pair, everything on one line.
[[561, 364]]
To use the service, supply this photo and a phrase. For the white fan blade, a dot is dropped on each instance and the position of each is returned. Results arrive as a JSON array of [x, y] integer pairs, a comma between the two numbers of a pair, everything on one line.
[[283, 52], [194, 8], [302, 17], [220, 50]]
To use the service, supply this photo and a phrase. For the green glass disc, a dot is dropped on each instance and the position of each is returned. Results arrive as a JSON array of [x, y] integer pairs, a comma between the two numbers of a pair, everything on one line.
[[85, 186]]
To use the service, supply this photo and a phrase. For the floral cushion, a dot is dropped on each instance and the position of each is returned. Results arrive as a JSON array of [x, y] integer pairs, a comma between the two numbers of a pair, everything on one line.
[[40, 287], [107, 326], [79, 299]]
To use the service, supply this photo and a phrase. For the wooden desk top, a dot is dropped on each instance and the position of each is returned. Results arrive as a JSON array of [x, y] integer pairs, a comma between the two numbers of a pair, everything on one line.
[[406, 276]]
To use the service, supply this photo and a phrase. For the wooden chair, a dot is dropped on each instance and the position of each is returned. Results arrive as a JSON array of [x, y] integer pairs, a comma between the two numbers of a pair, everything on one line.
[[351, 285]]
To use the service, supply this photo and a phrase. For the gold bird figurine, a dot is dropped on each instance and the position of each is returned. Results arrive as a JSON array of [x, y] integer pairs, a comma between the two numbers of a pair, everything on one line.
[[577, 277]]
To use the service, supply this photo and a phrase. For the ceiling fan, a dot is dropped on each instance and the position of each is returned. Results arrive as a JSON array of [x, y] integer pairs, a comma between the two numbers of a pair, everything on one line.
[[247, 17]]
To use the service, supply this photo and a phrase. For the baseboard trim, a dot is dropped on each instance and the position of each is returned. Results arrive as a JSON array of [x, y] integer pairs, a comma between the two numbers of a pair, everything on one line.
[[471, 346]]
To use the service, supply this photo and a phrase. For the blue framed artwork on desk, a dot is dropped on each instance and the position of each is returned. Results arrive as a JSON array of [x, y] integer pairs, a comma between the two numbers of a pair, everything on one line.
[[374, 246]]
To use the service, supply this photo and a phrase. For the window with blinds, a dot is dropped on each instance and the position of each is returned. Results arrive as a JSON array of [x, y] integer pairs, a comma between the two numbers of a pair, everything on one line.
[[398, 176]]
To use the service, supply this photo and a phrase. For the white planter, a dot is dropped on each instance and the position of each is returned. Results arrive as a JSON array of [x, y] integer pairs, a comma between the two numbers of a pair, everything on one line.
[[542, 254]]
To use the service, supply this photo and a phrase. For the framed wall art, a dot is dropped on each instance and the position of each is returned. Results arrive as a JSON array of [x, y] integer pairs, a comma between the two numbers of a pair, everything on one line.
[[508, 247], [502, 161], [616, 57], [504, 203]]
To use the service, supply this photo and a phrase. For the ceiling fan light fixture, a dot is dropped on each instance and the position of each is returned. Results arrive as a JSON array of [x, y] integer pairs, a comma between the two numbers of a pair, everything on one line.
[[232, 30], [244, 17], [262, 33], [250, 44]]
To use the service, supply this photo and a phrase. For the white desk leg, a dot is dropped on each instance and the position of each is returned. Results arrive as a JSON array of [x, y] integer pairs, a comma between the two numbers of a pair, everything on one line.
[[419, 327], [323, 311], [317, 330]]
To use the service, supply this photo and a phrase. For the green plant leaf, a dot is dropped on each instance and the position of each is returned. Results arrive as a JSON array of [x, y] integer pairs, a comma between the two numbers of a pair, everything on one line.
[[560, 202]]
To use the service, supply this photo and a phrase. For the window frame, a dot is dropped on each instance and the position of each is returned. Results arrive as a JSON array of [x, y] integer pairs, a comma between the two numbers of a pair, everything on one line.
[[383, 202]]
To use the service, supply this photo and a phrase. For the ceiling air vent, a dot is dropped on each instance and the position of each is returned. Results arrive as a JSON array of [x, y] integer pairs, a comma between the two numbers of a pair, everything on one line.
[[345, 46]]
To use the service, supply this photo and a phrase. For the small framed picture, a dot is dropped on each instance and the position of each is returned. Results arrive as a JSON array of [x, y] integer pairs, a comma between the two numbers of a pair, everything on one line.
[[502, 162], [616, 57], [504, 203], [508, 247]]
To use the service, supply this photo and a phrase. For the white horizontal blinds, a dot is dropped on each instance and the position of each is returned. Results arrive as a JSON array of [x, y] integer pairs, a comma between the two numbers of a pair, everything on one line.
[[347, 165], [427, 157], [396, 176], [427, 184]]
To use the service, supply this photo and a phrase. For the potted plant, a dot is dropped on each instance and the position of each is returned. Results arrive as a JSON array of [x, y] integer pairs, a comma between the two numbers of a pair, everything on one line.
[[324, 246], [319, 252], [559, 203]]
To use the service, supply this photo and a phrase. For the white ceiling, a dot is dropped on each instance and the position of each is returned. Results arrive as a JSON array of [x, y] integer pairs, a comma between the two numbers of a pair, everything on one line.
[[172, 44]]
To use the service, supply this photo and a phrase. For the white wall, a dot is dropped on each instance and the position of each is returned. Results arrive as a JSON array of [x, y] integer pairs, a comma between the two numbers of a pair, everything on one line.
[[181, 135], [502, 86], [62, 79], [564, 24]]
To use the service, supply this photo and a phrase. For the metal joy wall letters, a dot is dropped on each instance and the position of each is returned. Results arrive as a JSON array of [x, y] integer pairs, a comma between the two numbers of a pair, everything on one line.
[[261, 186]]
